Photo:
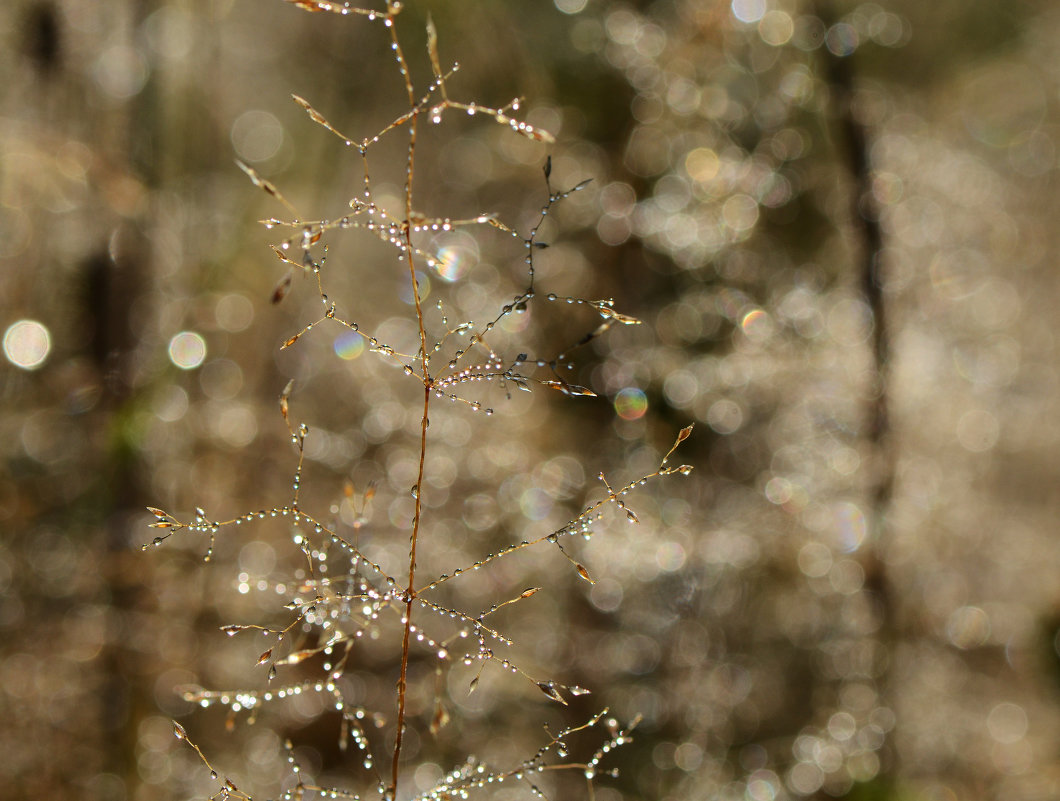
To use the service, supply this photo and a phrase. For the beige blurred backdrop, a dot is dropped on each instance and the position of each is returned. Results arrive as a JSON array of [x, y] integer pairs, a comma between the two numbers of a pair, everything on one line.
[[837, 223]]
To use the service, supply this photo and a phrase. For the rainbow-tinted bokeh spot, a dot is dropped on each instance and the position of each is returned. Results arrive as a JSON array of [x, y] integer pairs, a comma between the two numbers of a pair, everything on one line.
[[456, 252], [349, 345], [631, 403]]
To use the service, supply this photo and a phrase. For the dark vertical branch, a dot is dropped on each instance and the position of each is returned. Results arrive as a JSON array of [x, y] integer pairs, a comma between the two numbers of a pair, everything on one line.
[[42, 39], [854, 147], [853, 141], [110, 282]]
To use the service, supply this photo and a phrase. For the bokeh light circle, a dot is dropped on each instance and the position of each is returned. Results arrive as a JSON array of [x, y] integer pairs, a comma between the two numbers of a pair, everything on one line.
[[978, 430], [349, 345], [456, 252], [757, 325], [740, 212], [234, 312], [26, 344], [631, 403], [1007, 722], [776, 28], [187, 350], [424, 284], [841, 39], [256, 135], [571, 6], [748, 10], [851, 526]]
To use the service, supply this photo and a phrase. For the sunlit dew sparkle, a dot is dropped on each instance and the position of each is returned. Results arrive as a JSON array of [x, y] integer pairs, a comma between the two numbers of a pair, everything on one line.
[[631, 403], [26, 344], [187, 350], [748, 11]]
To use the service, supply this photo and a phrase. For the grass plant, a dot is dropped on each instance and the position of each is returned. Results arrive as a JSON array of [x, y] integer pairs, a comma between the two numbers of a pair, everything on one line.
[[346, 608]]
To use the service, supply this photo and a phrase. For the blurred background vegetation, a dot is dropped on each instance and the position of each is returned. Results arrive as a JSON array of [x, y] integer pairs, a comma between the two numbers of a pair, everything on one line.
[[835, 221]]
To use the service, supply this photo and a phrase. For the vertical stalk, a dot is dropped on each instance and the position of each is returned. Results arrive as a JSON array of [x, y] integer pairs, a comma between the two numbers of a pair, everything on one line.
[[410, 590]]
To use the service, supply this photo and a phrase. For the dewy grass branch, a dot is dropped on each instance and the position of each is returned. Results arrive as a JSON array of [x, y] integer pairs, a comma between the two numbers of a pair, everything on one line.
[[343, 596]]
